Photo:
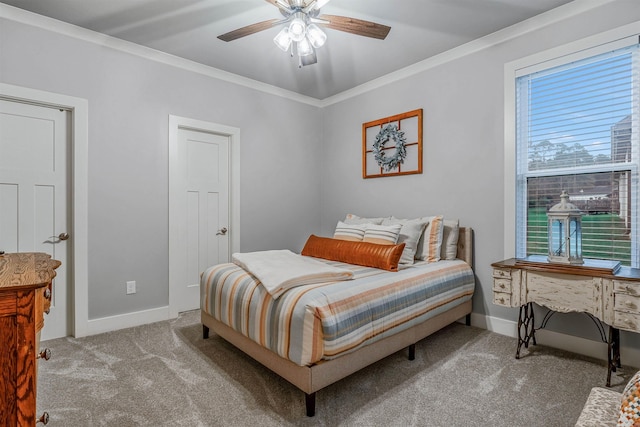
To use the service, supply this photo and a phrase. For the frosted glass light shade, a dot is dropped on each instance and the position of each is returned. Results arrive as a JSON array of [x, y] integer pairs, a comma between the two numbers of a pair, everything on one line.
[[297, 30], [304, 47], [316, 36], [283, 39]]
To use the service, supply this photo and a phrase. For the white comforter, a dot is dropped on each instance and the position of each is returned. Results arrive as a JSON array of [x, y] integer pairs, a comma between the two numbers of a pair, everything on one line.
[[279, 270]]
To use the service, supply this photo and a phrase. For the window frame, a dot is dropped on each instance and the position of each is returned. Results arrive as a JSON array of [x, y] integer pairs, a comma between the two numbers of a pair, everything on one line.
[[581, 49]]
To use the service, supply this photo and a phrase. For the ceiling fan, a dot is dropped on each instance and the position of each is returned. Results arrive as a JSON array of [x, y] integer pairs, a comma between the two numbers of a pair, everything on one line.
[[302, 32]]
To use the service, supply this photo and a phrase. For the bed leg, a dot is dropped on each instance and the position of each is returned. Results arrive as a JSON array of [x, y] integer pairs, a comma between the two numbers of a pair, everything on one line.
[[412, 352], [205, 332], [310, 401], [467, 320]]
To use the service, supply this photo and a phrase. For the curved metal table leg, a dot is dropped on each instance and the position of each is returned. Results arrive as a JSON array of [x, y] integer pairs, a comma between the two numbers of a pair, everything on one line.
[[526, 330]]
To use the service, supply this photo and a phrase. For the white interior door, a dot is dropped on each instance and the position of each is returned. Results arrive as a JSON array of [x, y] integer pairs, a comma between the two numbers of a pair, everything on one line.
[[33, 194], [199, 212]]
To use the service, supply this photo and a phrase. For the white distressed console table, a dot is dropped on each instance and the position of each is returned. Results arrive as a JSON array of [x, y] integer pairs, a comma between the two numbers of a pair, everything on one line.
[[602, 289]]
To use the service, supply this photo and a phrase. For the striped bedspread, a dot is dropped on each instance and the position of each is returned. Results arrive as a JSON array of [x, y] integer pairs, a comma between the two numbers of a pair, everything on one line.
[[322, 321]]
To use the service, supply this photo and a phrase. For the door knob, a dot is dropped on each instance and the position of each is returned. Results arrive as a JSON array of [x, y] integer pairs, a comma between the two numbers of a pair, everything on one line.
[[63, 236], [222, 231]]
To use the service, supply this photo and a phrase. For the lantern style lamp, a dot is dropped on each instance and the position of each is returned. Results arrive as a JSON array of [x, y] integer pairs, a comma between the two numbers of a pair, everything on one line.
[[565, 232]]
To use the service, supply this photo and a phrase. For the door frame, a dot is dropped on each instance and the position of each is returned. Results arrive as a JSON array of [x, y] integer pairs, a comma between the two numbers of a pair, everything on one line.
[[175, 124], [78, 140]]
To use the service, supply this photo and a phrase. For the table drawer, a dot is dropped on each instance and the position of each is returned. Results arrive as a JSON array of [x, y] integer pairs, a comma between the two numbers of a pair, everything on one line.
[[625, 302], [500, 273], [502, 298], [502, 285], [627, 321], [631, 288]]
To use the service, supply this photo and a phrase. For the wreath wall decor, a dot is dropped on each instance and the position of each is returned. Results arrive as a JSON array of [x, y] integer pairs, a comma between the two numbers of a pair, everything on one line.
[[390, 133], [392, 146]]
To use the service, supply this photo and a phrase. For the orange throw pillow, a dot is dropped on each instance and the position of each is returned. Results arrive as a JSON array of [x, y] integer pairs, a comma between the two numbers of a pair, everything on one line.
[[385, 257]]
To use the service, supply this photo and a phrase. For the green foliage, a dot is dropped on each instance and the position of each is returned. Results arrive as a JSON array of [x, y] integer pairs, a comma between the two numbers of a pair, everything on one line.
[[547, 155]]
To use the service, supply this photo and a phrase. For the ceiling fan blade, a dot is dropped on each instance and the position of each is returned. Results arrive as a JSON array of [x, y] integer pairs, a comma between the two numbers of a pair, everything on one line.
[[356, 26], [281, 4], [249, 29]]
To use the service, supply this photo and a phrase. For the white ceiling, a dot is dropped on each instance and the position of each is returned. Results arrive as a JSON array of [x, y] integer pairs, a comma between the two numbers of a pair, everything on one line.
[[420, 29]]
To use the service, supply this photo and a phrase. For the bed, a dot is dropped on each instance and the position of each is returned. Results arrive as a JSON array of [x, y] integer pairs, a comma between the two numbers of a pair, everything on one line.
[[316, 334]]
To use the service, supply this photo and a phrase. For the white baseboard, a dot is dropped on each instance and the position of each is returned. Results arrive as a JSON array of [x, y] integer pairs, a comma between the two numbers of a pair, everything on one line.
[[128, 320], [583, 346]]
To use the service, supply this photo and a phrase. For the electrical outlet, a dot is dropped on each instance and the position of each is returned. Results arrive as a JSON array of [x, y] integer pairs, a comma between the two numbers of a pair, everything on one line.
[[131, 287]]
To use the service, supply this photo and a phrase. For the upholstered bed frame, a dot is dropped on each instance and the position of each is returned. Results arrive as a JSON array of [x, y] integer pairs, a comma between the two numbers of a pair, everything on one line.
[[312, 378]]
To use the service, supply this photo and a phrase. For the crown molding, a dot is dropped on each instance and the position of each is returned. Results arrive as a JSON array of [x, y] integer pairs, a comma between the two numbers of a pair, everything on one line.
[[553, 16], [558, 14], [22, 16]]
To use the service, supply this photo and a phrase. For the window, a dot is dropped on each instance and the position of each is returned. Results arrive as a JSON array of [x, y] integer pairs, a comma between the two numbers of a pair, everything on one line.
[[576, 129]]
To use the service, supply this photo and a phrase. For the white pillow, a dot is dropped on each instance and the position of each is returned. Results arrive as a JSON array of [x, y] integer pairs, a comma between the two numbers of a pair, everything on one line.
[[410, 234], [352, 232], [450, 234], [382, 234], [355, 219], [430, 244]]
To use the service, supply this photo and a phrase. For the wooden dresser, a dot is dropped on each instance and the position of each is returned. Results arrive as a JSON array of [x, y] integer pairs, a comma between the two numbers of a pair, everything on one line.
[[25, 295]]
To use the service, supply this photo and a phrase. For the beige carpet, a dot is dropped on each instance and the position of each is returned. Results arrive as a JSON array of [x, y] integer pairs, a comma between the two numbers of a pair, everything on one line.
[[165, 374]]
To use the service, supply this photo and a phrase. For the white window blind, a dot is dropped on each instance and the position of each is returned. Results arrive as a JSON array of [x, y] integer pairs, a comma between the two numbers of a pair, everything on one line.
[[577, 130]]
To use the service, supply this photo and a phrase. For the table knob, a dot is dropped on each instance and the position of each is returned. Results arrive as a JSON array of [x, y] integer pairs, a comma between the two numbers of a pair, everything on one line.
[[44, 418], [47, 293], [45, 354]]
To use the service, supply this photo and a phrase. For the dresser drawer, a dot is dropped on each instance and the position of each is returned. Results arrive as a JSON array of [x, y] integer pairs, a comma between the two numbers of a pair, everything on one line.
[[625, 302], [502, 285], [631, 288], [627, 321], [502, 298], [500, 273]]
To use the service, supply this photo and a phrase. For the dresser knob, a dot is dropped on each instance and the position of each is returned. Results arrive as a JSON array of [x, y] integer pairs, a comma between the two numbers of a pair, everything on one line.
[[47, 293], [44, 418], [45, 354]]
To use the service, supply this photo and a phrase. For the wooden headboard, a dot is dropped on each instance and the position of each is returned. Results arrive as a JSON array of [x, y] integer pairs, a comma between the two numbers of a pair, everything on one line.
[[465, 245]]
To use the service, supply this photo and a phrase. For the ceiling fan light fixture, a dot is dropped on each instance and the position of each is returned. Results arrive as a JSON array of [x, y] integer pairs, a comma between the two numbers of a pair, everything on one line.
[[297, 29], [283, 39], [304, 47], [316, 36], [301, 25]]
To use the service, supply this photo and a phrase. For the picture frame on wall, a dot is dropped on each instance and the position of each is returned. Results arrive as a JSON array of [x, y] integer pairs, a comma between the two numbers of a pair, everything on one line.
[[392, 146]]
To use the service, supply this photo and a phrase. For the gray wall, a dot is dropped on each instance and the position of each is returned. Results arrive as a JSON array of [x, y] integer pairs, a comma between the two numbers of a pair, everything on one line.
[[462, 143], [130, 100]]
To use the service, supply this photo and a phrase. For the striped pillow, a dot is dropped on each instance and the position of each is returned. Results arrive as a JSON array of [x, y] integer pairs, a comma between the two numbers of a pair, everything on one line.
[[355, 219], [382, 234], [352, 232], [430, 244]]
